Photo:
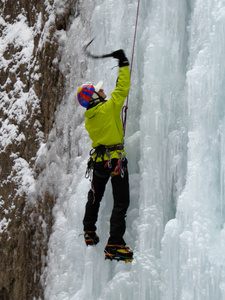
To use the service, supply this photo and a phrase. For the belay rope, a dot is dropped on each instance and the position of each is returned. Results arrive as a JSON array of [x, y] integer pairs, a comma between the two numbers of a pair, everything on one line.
[[125, 107]]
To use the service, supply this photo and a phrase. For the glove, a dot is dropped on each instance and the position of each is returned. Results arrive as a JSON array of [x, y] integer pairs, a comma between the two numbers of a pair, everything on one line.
[[119, 54]]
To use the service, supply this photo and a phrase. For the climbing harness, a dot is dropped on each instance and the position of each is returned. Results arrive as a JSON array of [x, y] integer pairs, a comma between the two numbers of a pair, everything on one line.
[[99, 152], [125, 107]]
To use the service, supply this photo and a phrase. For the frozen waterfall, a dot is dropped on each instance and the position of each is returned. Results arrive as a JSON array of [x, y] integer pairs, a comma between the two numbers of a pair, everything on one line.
[[175, 144]]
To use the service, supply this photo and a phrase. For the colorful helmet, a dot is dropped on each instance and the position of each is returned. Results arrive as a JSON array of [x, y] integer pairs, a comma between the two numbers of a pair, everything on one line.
[[87, 92], [84, 94]]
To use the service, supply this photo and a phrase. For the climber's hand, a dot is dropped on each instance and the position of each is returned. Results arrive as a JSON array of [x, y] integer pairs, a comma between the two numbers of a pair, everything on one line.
[[119, 54]]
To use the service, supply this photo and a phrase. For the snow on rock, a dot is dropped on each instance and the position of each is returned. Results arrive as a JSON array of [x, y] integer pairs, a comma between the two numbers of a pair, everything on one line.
[[31, 87]]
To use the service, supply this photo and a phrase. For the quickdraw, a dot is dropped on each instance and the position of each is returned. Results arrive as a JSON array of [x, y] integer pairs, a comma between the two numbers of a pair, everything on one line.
[[90, 166], [119, 169]]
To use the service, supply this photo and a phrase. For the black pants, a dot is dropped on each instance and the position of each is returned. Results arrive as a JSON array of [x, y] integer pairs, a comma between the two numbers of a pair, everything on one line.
[[120, 188]]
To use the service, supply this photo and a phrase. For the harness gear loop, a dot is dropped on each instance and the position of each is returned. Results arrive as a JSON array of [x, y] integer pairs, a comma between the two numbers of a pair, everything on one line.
[[125, 108]]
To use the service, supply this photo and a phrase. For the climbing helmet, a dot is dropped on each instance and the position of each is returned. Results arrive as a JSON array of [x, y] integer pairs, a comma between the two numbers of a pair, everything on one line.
[[88, 92]]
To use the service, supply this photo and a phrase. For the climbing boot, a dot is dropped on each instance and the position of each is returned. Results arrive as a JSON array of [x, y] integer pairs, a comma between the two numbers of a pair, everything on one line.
[[91, 238]]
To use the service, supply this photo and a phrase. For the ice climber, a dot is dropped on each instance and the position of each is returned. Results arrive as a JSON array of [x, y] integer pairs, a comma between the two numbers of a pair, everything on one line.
[[108, 160]]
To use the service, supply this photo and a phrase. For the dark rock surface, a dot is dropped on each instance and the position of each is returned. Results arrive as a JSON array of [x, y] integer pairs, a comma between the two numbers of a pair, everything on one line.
[[31, 87]]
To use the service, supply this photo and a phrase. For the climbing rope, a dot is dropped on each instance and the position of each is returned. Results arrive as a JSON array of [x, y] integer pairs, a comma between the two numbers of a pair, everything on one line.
[[125, 107]]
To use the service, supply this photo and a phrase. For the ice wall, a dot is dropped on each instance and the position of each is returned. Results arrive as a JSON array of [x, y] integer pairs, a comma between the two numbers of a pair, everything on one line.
[[197, 232], [175, 147]]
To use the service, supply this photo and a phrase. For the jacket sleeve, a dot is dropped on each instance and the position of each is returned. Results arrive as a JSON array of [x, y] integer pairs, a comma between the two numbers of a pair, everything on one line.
[[122, 88]]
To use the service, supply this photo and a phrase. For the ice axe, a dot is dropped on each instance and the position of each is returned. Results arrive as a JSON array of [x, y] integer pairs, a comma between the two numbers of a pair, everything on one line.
[[95, 56]]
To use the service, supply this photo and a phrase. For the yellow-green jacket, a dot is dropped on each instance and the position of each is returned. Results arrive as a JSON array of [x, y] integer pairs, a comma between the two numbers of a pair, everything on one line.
[[103, 121]]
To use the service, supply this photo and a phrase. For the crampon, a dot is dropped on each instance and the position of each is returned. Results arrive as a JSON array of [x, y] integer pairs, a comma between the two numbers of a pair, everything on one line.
[[118, 253]]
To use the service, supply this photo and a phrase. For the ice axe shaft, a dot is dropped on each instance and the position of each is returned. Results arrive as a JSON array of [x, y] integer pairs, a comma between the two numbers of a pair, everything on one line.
[[95, 56]]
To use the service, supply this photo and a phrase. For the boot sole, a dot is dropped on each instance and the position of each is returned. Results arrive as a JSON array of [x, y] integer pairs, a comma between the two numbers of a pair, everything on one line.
[[118, 258]]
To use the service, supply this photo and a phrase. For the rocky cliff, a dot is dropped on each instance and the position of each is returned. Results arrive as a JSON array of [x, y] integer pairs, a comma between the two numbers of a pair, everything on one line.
[[31, 87]]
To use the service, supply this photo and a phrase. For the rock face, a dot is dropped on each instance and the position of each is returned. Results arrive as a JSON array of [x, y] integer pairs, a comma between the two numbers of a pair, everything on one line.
[[31, 87]]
